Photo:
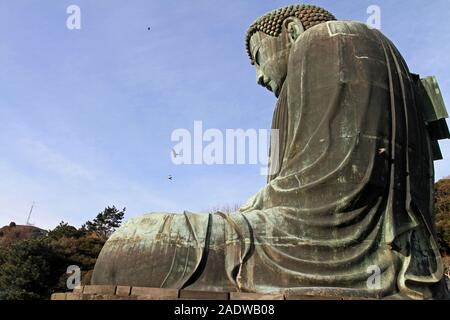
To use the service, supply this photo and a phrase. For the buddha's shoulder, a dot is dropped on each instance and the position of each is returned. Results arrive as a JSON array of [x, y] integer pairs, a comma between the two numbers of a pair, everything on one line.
[[329, 32], [338, 28]]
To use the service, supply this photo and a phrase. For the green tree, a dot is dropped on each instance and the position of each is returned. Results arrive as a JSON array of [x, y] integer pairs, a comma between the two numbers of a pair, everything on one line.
[[106, 222], [28, 270], [64, 230], [33, 269], [82, 252]]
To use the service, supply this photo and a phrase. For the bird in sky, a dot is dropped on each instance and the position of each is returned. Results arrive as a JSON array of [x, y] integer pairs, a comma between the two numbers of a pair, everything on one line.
[[174, 153]]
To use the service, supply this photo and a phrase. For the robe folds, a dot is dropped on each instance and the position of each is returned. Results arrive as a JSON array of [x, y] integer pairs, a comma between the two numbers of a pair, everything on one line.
[[349, 211]]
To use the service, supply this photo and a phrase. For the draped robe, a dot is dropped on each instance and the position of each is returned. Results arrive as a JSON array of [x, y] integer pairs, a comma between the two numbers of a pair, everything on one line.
[[352, 197]]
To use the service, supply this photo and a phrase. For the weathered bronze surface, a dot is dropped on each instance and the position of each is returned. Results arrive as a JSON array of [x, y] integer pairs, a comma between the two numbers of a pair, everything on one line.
[[353, 193]]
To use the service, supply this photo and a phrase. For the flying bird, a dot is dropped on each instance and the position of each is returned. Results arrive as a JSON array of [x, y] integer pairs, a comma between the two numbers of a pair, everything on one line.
[[174, 153], [170, 177]]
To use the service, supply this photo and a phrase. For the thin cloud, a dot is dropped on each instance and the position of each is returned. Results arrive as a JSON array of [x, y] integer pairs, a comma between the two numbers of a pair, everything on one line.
[[50, 160]]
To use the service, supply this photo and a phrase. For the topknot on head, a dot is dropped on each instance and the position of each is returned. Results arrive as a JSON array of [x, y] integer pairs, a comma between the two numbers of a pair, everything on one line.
[[271, 23]]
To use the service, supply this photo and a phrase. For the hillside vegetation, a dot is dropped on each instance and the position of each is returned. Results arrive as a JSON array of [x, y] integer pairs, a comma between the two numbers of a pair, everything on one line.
[[33, 262], [442, 210], [13, 233]]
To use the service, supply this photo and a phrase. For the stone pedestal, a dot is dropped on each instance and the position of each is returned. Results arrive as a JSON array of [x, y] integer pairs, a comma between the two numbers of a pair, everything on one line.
[[98, 292]]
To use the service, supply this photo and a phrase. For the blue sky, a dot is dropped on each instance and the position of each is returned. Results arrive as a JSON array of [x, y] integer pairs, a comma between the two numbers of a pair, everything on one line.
[[86, 115]]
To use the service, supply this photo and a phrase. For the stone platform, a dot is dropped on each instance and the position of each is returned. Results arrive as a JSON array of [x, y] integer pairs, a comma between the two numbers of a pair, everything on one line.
[[97, 292]]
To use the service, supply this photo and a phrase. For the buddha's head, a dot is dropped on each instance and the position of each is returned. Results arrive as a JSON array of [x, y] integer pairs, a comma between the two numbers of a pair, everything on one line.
[[269, 40]]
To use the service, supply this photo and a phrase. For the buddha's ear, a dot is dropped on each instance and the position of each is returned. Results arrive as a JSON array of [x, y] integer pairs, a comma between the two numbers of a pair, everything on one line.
[[293, 27]]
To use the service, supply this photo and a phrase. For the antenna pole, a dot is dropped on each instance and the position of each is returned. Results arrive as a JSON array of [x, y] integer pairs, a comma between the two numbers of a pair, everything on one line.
[[29, 214]]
